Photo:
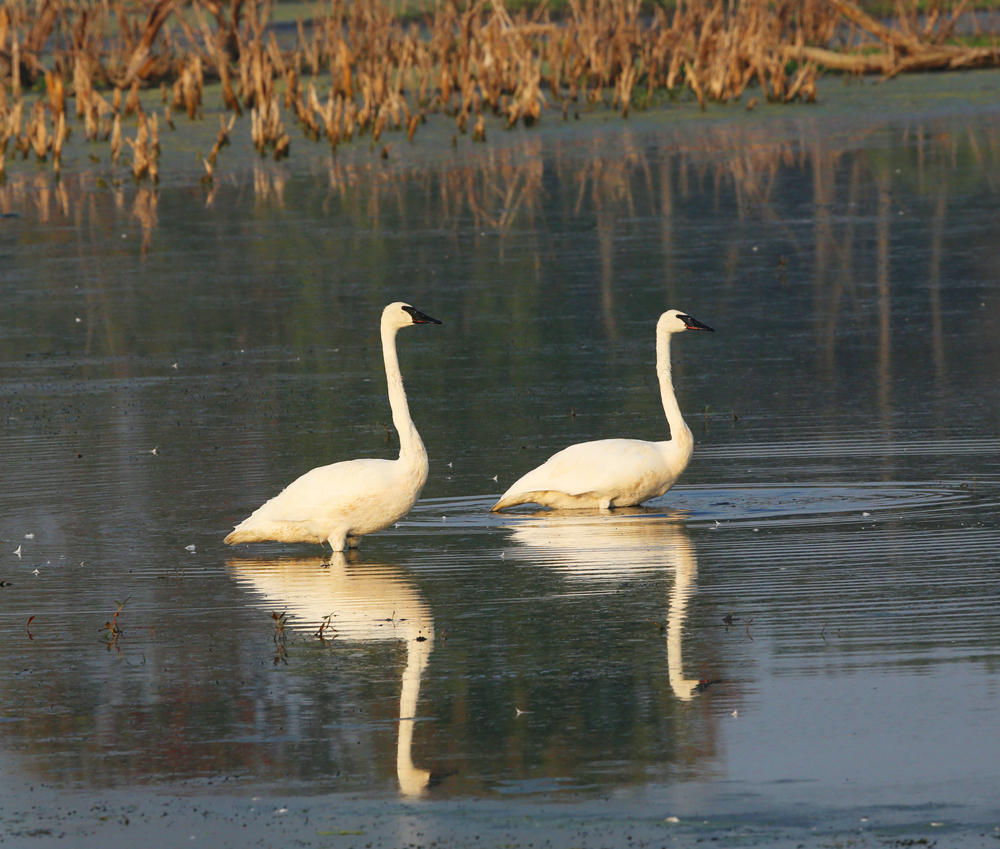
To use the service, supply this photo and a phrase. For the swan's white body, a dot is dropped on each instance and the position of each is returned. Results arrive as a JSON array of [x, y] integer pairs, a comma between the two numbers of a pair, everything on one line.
[[343, 502], [616, 472]]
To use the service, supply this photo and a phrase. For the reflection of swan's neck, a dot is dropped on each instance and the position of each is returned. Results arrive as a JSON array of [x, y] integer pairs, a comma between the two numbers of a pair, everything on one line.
[[412, 781], [411, 448], [687, 571], [681, 443]]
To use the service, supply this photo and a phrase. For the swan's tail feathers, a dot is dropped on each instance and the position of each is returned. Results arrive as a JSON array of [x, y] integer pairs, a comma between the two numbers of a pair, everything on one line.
[[551, 498], [510, 501], [237, 536], [268, 531]]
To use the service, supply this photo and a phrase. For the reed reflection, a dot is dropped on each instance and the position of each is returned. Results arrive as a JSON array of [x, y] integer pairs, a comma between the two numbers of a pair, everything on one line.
[[693, 202], [629, 544], [360, 603]]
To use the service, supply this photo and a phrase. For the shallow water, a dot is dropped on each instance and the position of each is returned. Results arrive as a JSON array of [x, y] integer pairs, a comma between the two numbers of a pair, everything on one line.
[[805, 623]]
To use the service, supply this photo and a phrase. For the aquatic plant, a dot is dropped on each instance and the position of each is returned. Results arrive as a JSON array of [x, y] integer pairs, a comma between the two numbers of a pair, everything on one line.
[[280, 637], [112, 630]]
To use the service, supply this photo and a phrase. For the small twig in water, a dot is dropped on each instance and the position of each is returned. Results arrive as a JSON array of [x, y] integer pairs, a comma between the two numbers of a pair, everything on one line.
[[279, 636], [323, 627], [280, 620], [112, 631]]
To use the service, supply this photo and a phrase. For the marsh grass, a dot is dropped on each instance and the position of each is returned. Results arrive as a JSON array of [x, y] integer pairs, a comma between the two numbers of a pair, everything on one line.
[[362, 69]]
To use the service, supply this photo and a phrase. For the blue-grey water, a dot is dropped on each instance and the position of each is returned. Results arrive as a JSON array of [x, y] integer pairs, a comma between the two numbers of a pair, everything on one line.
[[799, 643]]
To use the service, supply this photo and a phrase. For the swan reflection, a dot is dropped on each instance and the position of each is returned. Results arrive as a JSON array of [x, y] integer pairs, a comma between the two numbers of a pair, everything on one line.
[[624, 545], [361, 603]]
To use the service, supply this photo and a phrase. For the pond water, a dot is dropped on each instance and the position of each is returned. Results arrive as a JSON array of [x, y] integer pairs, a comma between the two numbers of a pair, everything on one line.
[[798, 642]]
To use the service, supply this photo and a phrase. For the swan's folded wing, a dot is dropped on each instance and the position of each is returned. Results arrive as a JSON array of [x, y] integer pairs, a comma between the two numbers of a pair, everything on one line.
[[328, 489], [608, 464]]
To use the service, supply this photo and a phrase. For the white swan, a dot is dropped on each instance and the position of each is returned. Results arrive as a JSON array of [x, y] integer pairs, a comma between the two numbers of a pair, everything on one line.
[[345, 501], [616, 472]]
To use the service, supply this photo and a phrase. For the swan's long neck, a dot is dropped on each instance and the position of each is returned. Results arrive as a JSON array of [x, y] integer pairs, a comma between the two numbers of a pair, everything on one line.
[[411, 448], [681, 443]]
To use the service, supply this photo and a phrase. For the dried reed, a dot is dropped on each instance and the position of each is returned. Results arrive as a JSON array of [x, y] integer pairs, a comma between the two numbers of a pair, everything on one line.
[[383, 75]]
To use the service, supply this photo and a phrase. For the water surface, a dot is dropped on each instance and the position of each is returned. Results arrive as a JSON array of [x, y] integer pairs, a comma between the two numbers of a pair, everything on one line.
[[800, 635]]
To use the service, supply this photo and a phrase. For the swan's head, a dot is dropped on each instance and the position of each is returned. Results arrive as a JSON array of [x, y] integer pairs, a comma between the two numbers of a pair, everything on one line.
[[398, 315], [674, 321]]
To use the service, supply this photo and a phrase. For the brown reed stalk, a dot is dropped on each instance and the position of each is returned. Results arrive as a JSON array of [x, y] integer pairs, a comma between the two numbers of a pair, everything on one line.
[[4, 27], [56, 94], [192, 84], [83, 86], [15, 68], [132, 101], [116, 138], [37, 133], [221, 141], [293, 90], [143, 161], [10, 127], [154, 135], [57, 142]]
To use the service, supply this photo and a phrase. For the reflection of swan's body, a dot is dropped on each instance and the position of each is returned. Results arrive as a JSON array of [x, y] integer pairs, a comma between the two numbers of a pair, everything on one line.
[[362, 603], [616, 472], [614, 547], [345, 501]]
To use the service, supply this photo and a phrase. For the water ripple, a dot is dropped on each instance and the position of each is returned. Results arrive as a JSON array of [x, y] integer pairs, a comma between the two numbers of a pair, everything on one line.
[[775, 504]]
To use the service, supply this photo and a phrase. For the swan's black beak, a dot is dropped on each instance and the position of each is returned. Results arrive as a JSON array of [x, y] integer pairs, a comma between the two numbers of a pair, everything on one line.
[[419, 317], [694, 324]]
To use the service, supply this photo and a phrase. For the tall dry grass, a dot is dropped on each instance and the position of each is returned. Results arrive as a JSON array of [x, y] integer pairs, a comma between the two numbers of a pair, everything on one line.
[[356, 68]]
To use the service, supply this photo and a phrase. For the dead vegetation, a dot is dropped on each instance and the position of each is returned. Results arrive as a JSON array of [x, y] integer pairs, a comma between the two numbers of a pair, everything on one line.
[[357, 69]]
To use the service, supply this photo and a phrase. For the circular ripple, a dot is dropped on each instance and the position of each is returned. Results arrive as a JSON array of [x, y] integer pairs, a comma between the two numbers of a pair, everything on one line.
[[776, 504]]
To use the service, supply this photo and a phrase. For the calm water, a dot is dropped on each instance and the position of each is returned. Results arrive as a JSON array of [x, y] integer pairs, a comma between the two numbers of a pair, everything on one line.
[[808, 619]]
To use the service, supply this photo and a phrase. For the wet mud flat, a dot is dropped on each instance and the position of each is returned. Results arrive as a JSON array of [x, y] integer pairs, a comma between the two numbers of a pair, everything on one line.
[[52, 819], [795, 646]]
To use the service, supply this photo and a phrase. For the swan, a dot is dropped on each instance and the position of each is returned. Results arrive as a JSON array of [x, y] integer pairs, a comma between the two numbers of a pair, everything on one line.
[[616, 472], [343, 502]]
